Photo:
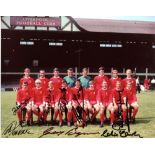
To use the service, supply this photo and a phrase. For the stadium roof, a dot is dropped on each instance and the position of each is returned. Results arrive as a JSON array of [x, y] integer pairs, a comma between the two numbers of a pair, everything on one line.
[[116, 26]]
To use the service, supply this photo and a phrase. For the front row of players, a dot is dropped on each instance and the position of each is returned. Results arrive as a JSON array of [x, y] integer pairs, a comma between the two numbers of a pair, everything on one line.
[[75, 103]]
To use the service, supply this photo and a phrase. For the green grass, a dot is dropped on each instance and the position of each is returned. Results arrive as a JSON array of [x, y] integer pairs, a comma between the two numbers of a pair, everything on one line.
[[145, 123]]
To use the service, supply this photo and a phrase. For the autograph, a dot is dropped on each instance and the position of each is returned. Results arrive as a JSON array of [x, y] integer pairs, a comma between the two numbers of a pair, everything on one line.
[[73, 131], [15, 129], [120, 132]]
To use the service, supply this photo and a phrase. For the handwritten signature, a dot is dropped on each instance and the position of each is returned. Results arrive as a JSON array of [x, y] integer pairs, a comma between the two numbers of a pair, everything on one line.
[[120, 132], [15, 129], [73, 131]]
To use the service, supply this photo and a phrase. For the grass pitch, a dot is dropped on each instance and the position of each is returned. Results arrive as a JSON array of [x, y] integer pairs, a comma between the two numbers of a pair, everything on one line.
[[145, 122]]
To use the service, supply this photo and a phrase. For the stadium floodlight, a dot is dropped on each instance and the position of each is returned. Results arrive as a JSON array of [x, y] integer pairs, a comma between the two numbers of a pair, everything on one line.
[[55, 44], [114, 45], [119, 45], [153, 46], [108, 45], [30, 43], [22, 42]]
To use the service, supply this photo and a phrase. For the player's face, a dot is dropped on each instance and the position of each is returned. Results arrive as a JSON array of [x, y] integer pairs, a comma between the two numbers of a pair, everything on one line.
[[77, 84], [91, 84], [42, 74], [114, 74], [85, 72], [64, 85], [101, 72], [56, 73], [70, 73], [128, 73], [118, 85], [50, 84], [104, 85], [38, 84], [27, 73]]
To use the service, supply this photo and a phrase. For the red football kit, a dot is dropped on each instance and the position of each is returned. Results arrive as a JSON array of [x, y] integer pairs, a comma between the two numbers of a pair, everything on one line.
[[65, 94], [38, 95], [112, 82], [146, 84], [130, 95], [44, 82], [133, 82], [91, 95], [57, 82], [117, 95], [104, 96], [51, 96], [29, 80], [98, 81], [23, 95]]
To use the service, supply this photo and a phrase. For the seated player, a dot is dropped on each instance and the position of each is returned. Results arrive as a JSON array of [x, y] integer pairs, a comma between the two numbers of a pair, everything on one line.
[[56, 79], [23, 101], [78, 101], [131, 99], [38, 105], [43, 79], [91, 98], [117, 99], [64, 104], [114, 79], [50, 98], [70, 78], [84, 79], [27, 78], [129, 78], [99, 79], [104, 100]]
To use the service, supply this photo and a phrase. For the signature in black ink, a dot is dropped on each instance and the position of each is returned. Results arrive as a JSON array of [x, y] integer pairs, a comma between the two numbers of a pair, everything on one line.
[[15, 129], [70, 132], [120, 131]]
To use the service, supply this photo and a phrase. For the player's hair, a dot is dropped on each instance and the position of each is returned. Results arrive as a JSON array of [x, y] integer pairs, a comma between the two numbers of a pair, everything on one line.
[[78, 80], [114, 69], [37, 81], [64, 82], [27, 69], [56, 69], [101, 68], [70, 69], [85, 69], [129, 70], [42, 70]]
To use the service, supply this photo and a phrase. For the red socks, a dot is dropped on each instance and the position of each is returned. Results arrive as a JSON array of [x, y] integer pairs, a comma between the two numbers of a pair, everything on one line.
[[69, 116], [102, 117], [134, 112], [112, 117]]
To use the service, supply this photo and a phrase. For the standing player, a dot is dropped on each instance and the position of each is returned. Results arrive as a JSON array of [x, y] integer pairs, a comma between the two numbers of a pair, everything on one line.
[[84, 79], [78, 101], [27, 78], [117, 99], [131, 99], [99, 79], [70, 78], [38, 106], [103, 99], [91, 98], [114, 79], [146, 84], [43, 79], [56, 79], [23, 101], [129, 78]]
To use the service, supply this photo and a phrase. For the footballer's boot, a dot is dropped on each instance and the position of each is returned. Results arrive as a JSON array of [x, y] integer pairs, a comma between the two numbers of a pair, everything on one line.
[[60, 124], [28, 123], [21, 123], [101, 125]]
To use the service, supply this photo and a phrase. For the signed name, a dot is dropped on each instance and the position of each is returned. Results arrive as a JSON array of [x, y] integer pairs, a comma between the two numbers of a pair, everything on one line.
[[14, 129], [120, 132]]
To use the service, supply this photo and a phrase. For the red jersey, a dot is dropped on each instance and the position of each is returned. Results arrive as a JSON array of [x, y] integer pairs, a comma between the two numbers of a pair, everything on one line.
[[146, 82], [132, 80], [66, 94], [57, 82], [104, 96], [130, 95], [51, 95], [23, 95], [98, 81], [44, 82], [112, 82], [91, 95], [38, 95], [29, 80], [77, 95], [117, 96]]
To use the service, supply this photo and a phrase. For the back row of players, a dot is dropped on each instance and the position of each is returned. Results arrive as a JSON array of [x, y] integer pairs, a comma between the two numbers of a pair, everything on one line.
[[94, 96]]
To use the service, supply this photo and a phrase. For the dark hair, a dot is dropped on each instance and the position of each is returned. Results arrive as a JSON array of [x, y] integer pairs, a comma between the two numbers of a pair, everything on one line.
[[85, 69], [101, 68], [55, 69], [70, 69], [64, 81]]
